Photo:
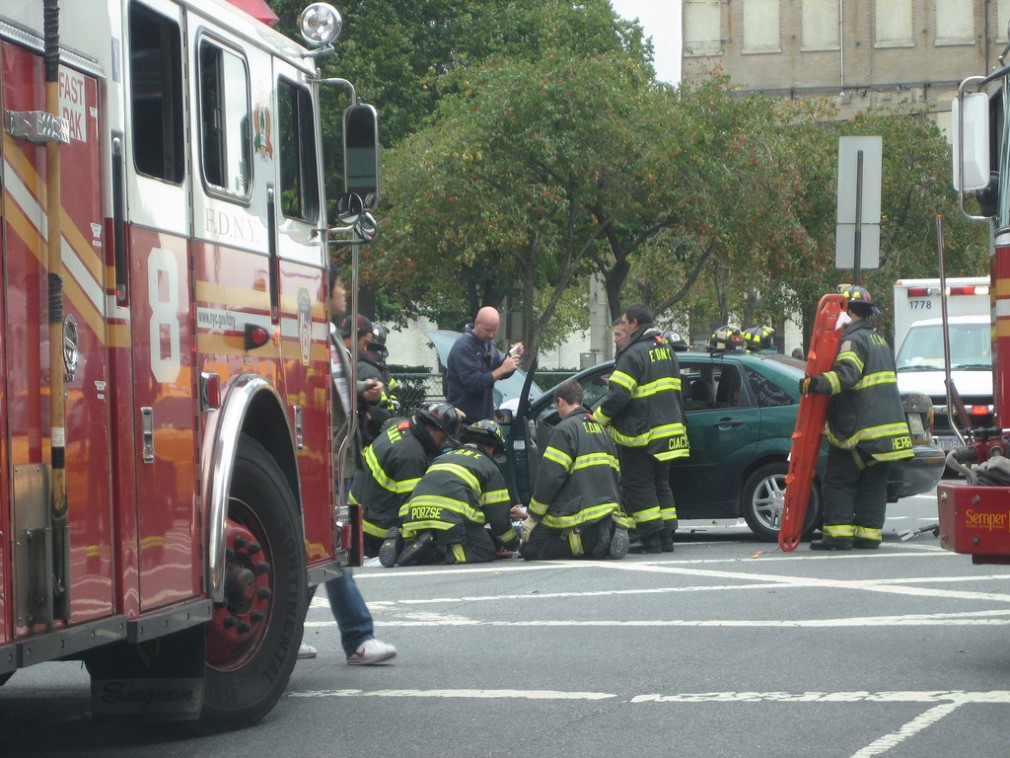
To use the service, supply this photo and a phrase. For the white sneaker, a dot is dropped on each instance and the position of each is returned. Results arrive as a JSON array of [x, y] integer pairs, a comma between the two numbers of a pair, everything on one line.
[[370, 652], [306, 651]]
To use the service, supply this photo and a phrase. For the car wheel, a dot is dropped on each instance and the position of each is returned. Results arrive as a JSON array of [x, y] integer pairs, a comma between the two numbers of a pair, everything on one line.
[[762, 499]]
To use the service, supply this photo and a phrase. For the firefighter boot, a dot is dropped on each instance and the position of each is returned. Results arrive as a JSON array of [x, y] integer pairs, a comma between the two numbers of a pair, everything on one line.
[[831, 544], [619, 543], [650, 545], [415, 549], [389, 551], [666, 541]]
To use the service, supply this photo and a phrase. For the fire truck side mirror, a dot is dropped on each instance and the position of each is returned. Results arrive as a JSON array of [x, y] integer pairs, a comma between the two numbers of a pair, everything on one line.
[[349, 208], [361, 153], [970, 128]]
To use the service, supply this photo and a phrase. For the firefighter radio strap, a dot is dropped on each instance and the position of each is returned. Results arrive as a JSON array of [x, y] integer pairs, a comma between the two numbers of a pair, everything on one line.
[[813, 411]]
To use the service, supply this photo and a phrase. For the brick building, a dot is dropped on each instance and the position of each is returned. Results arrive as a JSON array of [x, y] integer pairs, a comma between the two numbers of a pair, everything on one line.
[[862, 53]]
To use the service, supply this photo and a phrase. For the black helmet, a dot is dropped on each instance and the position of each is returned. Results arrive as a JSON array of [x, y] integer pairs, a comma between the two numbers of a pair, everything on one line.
[[377, 342], [758, 338], [485, 432], [674, 340], [726, 338], [860, 301], [442, 416]]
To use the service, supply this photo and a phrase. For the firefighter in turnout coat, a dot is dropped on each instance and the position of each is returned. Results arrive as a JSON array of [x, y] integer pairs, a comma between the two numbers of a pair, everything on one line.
[[393, 466], [867, 430], [443, 522], [645, 415], [576, 497]]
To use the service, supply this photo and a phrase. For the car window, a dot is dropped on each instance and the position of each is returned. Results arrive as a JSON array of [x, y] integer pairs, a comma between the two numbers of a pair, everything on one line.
[[593, 389], [767, 393], [712, 385]]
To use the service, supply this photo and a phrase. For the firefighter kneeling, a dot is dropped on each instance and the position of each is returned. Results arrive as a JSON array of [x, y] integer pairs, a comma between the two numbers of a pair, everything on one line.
[[575, 510], [443, 522]]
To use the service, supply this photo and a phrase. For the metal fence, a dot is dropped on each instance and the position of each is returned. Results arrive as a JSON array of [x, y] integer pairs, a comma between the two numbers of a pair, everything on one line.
[[418, 390]]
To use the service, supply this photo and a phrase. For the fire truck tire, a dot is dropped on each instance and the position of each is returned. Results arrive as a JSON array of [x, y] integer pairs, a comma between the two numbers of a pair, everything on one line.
[[762, 497], [247, 673]]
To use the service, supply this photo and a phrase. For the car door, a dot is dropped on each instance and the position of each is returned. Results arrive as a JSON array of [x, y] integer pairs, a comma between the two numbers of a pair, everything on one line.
[[723, 422]]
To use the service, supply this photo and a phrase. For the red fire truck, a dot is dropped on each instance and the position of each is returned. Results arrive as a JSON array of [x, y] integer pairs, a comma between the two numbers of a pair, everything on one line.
[[165, 433], [975, 516]]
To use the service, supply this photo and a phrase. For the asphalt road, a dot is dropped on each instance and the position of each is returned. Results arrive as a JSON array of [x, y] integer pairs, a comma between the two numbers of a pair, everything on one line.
[[727, 647]]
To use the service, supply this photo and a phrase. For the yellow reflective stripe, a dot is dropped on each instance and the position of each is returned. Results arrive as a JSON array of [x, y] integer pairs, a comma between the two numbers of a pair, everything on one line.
[[507, 536], [461, 471], [895, 456], [495, 496], [838, 530], [562, 459], [663, 384], [601, 417], [582, 517], [538, 508], [420, 526], [458, 552], [575, 544], [622, 379], [641, 440], [596, 459], [622, 519], [647, 515], [897, 429], [850, 357], [456, 506], [669, 455], [832, 377], [873, 380], [866, 533], [372, 529], [669, 514]]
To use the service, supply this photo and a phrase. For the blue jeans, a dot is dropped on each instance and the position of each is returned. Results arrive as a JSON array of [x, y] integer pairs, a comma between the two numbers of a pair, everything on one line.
[[349, 610]]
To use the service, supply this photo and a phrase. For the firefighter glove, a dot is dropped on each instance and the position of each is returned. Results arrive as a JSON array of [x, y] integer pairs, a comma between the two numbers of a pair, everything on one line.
[[814, 385], [527, 528]]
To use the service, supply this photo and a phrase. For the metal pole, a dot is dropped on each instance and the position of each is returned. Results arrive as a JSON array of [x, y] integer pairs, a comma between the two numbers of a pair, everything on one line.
[[858, 237]]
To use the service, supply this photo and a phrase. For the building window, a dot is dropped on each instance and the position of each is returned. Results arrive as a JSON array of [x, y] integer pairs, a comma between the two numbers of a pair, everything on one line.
[[702, 27], [761, 26], [955, 22], [820, 25], [893, 23], [1002, 18]]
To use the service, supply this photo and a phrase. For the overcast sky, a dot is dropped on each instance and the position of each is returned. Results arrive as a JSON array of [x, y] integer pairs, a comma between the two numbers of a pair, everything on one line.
[[661, 20]]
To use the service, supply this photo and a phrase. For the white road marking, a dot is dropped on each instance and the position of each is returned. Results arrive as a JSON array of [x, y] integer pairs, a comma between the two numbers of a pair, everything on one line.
[[910, 729], [953, 697], [466, 694]]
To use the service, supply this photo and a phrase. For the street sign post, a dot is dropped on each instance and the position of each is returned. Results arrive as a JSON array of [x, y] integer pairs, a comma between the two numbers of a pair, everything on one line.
[[857, 236]]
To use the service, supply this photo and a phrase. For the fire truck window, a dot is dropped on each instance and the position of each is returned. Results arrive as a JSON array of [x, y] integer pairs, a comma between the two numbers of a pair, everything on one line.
[[156, 94], [297, 142], [224, 112]]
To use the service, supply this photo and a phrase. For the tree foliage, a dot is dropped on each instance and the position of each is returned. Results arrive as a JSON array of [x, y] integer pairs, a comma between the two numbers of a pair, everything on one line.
[[528, 146]]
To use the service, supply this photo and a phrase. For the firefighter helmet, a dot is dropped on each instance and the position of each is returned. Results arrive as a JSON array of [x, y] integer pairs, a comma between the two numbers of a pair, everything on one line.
[[442, 416], [758, 338], [726, 338], [485, 432], [377, 342], [674, 340], [860, 301]]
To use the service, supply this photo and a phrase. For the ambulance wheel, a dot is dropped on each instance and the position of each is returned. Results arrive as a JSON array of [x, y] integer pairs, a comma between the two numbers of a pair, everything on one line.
[[762, 500], [253, 638]]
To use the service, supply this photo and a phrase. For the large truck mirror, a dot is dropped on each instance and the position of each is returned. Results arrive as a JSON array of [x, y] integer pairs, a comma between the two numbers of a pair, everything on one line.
[[361, 153], [971, 146]]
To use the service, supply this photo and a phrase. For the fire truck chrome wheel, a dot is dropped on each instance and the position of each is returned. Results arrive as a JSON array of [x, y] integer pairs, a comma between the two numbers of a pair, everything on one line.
[[252, 642], [762, 499]]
